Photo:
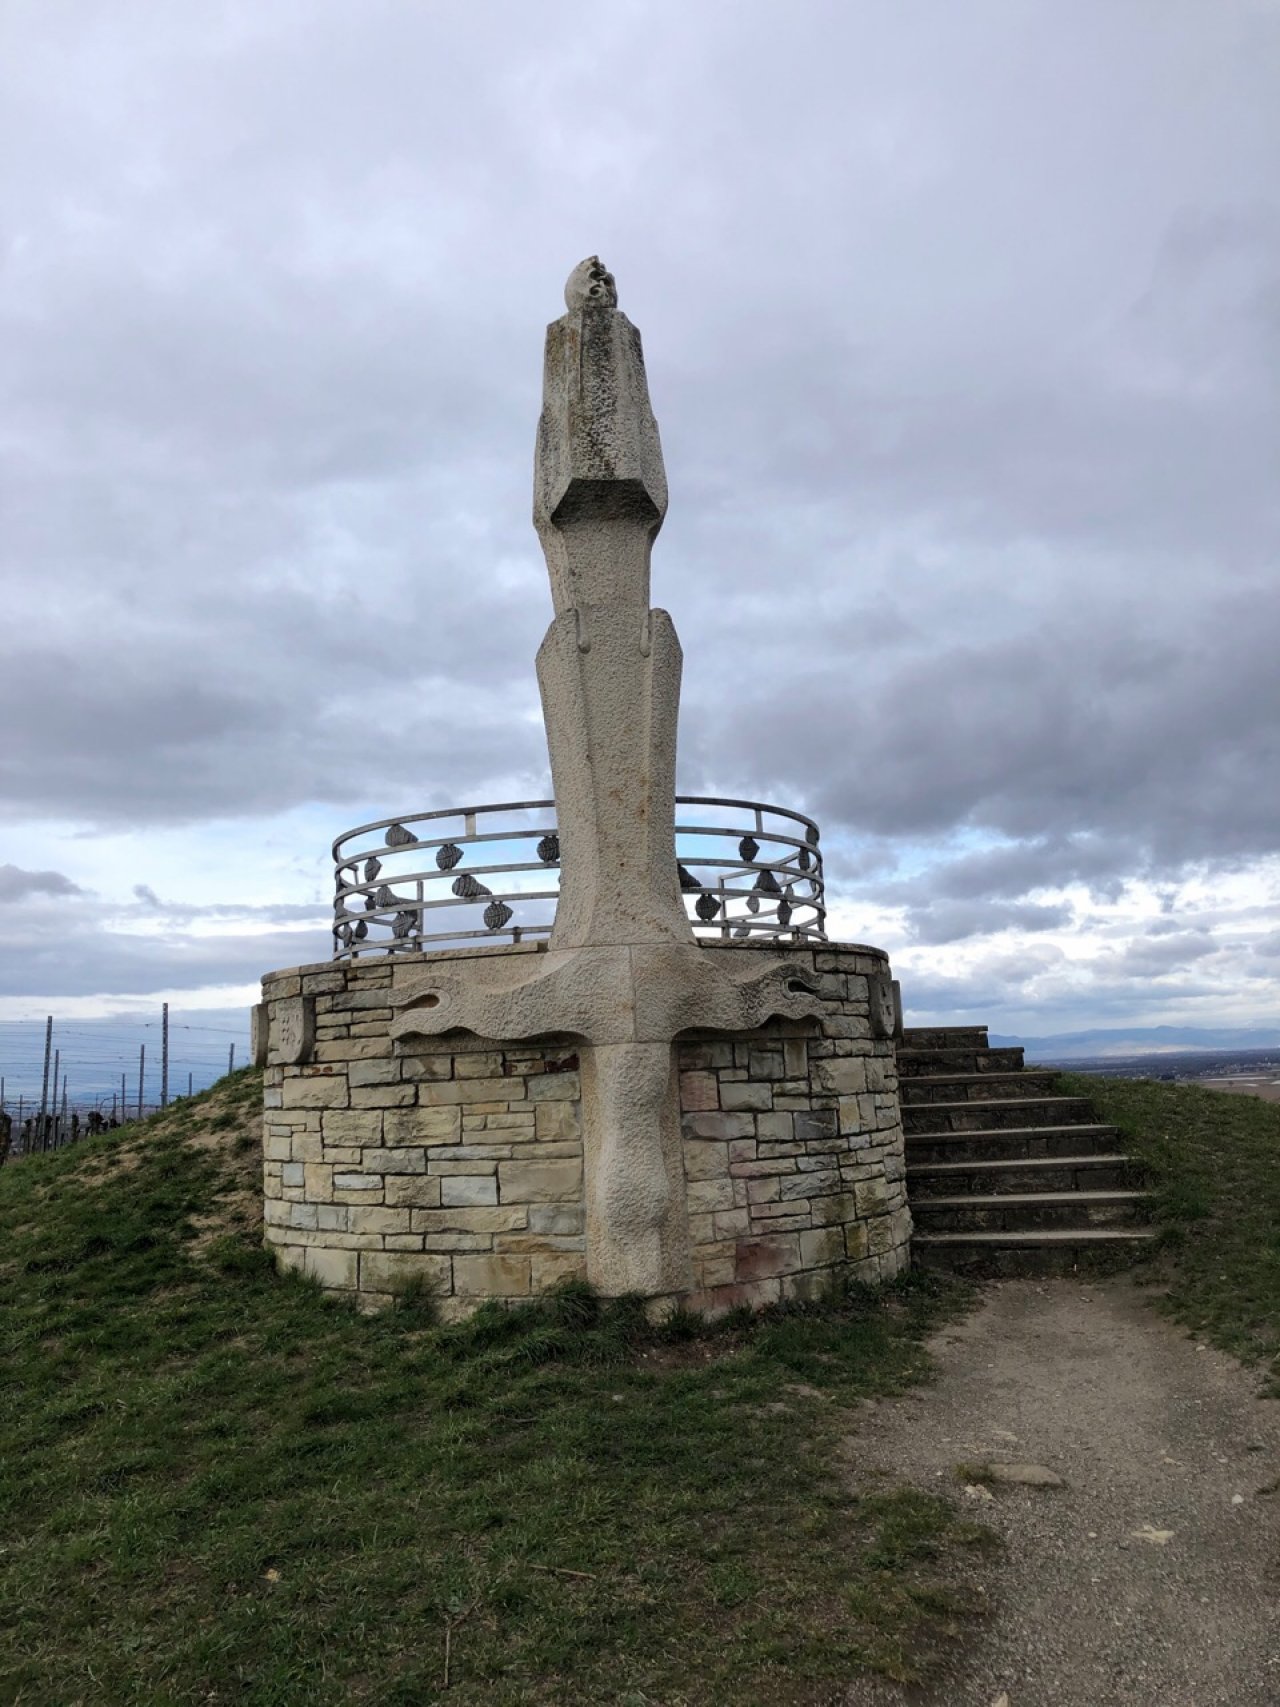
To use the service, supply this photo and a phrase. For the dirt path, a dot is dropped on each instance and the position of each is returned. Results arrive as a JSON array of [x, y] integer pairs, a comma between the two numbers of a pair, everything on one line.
[[1152, 1578]]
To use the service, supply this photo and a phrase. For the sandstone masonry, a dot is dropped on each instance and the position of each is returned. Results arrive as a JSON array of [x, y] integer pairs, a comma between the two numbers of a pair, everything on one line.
[[458, 1162]]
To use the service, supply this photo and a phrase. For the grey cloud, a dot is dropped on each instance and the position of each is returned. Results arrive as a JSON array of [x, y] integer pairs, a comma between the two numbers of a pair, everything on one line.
[[86, 946], [954, 921], [17, 884]]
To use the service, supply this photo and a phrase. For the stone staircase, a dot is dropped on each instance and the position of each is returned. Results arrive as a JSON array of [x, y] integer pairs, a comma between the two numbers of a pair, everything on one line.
[[1005, 1175]]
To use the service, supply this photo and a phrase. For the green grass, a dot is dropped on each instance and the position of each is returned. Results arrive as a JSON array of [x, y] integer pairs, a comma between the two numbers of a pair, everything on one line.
[[218, 1486], [1214, 1160]]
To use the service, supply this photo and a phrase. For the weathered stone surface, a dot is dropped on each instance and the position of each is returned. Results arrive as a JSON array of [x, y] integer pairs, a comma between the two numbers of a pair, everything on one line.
[[292, 1030], [496, 1276], [540, 1182], [468, 1190], [390, 1271]]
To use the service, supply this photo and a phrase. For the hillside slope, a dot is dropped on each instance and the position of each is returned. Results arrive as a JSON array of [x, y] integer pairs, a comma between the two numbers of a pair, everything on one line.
[[217, 1485]]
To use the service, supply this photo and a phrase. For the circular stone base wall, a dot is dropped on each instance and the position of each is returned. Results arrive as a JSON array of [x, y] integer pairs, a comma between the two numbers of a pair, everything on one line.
[[459, 1162]]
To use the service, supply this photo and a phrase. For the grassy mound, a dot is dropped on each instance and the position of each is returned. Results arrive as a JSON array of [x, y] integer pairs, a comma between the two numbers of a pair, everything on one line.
[[218, 1486], [1215, 1165]]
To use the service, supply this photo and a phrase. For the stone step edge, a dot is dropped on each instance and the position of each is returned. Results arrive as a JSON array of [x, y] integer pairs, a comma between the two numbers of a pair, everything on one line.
[[1021, 1074], [1005, 1132], [1101, 1160], [1002, 1102], [1041, 1236], [943, 1030], [1032, 1199]]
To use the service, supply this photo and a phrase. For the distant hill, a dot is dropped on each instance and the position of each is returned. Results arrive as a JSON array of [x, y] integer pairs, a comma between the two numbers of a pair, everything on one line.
[[1141, 1040]]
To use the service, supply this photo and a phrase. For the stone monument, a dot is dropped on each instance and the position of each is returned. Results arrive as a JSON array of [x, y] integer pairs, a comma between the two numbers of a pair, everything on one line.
[[734, 1113]]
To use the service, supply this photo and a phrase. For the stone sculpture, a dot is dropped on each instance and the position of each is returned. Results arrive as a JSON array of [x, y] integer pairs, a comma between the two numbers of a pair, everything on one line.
[[623, 973]]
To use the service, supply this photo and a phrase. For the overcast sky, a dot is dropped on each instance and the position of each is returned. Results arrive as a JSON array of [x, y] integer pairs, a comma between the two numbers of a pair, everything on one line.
[[963, 332]]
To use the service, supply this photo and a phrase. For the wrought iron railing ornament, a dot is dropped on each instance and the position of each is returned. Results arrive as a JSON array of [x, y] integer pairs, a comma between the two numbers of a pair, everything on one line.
[[401, 889]]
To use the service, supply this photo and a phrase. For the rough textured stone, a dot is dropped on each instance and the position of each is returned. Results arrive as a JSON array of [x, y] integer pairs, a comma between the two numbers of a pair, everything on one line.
[[468, 1190]]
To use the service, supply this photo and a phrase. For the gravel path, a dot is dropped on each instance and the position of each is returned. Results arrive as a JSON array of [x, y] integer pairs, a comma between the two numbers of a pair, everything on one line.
[[1152, 1577]]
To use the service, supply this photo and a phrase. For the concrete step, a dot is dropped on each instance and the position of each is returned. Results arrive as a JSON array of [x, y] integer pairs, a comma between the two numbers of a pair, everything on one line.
[[1026, 1211], [975, 1087], [991, 1113], [1041, 1251], [1010, 1143], [1108, 1170], [945, 1037], [913, 1063]]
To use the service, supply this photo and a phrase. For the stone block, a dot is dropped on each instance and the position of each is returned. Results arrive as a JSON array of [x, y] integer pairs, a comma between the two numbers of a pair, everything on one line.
[[453, 1091], [540, 1182], [307, 1147], [767, 1255], [721, 1127], [397, 1161], [550, 1267], [763, 1190], [363, 1126], [557, 1120], [412, 1191], [758, 1169], [357, 1182], [493, 1276], [843, 1075], [317, 1092], [374, 1218], [332, 1218], [428, 1126], [483, 1064], [870, 1199], [335, 1269], [765, 1064], [564, 1219], [457, 1241], [468, 1191], [302, 1215], [446, 1162], [419, 1067], [820, 1247], [776, 1127], [730, 1224], [696, 1056], [810, 1184], [277, 1146], [795, 1058], [705, 1160], [855, 1240], [699, 1092], [704, 1195], [747, 1095], [392, 1271], [376, 1072], [508, 1218], [520, 1126], [818, 1123], [554, 1087], [318, 1179], [382, 1096]]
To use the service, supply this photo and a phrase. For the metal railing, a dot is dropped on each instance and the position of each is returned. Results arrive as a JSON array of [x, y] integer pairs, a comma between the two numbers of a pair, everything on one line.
[[425, 881]]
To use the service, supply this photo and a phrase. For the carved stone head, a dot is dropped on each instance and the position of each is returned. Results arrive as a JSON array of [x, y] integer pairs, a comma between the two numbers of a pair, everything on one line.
[[590, 284]]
